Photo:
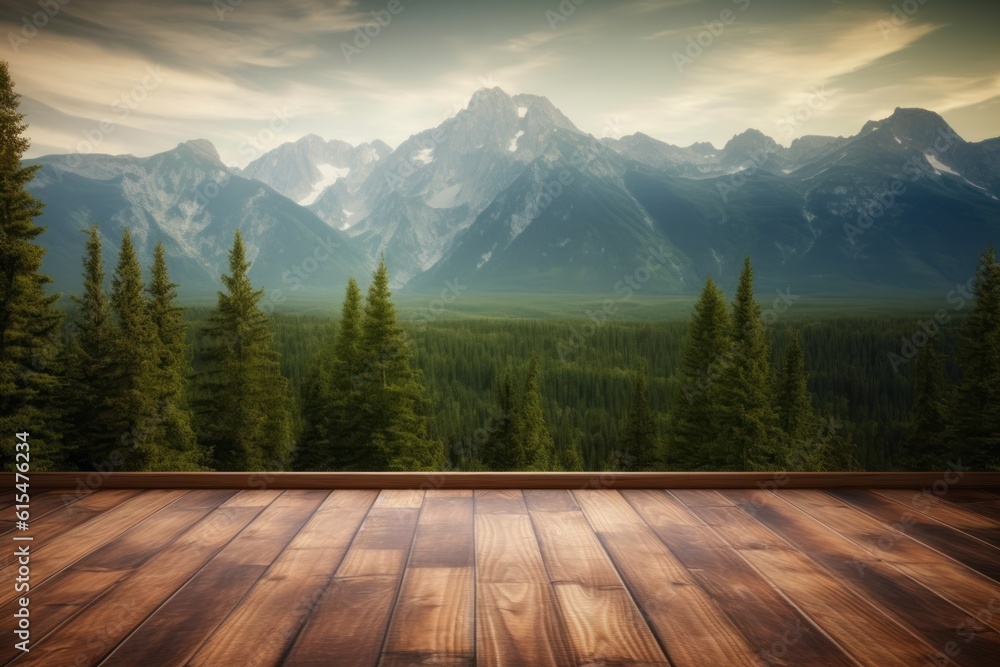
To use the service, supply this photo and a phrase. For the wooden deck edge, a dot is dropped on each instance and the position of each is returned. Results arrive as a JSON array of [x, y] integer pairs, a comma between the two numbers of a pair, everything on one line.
[[938, 481]]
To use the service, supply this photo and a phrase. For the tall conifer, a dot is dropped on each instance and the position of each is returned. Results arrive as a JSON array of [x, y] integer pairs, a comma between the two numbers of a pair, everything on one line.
[[29, 325], [245, 409], [394, 407], [975, 430], [749, 435], [638, 444], [694, 415]]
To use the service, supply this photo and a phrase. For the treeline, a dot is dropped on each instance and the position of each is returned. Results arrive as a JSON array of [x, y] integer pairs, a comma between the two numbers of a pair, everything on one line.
[[133, 382]]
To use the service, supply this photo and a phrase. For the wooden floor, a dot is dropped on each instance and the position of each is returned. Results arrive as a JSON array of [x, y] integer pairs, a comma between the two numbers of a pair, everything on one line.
[[507, 577]]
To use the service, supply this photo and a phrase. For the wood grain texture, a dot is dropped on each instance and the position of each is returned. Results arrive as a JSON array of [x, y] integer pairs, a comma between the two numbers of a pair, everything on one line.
[[965, 587], [159, 544], [925, 613], [864, 631], [40, 505], [517, 622], [545, 577], [350, 619], [182, 623], [253, 633], [70, 546], [507, 480], [685, 619], [762, 615], [433, 620], [959, 545], [603, 624], [959, 518]]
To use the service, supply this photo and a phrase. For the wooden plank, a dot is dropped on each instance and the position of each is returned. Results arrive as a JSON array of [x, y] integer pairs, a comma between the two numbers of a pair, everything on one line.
[[962, 547], [687, 622], [550, 500], [144, 592], [502, 501], [433, 621], [350, 619], [965, 587], [979, 501], [865, 632], [932, 505], [55, 523], [509, 480], [926, 614], [180, 625], [752, 604], [253, 633], [603, 624], [517, 622], [701, 498], [67, 548], [40, 505], [406, 498], [99, 586]]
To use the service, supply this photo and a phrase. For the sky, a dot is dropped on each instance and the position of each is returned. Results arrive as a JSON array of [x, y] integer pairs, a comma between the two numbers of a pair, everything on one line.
[[124, 76]]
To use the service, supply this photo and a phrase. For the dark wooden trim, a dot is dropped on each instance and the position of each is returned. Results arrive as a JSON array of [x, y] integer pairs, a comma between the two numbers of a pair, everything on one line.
[[938, 481]]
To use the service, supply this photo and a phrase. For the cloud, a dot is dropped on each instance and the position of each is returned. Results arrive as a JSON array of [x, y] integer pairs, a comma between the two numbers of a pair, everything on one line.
[[755, 75]]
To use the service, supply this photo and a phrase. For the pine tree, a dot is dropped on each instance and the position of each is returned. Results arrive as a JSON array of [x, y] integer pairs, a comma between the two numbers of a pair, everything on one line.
[[503, 450], [638, 444], [179, 449], [245, 408], [538, 447], [749, 433], [29, 325], [928, 419], [694, 416], [313, 449], [330, 438], [796, 417], [393, 415], [136, 351], [521, 440], [975, 430], [347, 441], [91, 371]]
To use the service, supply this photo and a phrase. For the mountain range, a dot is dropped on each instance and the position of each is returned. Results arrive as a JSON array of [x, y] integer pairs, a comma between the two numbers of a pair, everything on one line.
[[508, 195]]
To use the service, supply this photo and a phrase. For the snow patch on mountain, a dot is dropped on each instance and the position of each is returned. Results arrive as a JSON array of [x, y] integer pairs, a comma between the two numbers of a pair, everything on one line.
[[940, 166], [522, 111], [447, 198], [513, 142], [328, 176], [423, 156]]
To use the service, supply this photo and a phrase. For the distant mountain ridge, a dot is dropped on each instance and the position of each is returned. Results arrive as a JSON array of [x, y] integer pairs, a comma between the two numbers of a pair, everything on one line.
[[509, 195]]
